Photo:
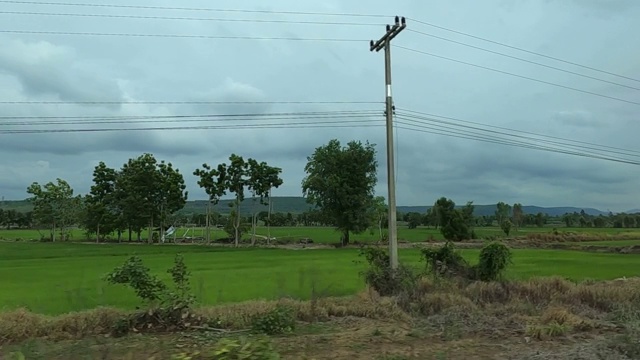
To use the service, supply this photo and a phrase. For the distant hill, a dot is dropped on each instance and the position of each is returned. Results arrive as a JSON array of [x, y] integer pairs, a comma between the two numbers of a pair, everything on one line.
[[486, 210], [633, 211], [297, 204]]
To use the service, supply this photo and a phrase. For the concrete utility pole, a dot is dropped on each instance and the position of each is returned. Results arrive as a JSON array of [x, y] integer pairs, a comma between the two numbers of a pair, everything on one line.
[[385, 43]]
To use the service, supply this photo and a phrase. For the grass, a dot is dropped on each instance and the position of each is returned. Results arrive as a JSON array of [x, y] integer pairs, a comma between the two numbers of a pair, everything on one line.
[[326, 235], [55, 278]]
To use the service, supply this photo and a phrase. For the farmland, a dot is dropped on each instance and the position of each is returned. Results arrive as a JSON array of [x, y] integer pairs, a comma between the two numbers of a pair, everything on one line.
[[57, 278], [327, 235]]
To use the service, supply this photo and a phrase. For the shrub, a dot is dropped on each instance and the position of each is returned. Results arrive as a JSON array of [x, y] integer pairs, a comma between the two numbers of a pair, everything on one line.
[[168, 309], [235, 349], [495, 257], [382, 278], [280, 320], [445, 261]]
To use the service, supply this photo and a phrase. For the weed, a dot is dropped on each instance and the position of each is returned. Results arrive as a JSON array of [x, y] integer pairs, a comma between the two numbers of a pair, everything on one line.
[[494, 259], [382, 278], [280, 320]]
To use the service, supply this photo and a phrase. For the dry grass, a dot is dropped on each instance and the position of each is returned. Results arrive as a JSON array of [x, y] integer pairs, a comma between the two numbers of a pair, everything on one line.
[[575, 237], [541, 308]]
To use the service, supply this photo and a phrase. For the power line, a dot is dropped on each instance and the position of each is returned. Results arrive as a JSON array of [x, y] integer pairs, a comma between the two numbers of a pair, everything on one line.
[[217, 37], [492, 135], [521, 59], [360, 15], [523, 50], [519, 76], [147, 7], [520, 131], [302, 125], [189, 18], [163, 102], [470, 136], [201, 118]]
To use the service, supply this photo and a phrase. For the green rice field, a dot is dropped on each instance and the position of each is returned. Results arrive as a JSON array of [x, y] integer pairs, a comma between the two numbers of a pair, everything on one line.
[[54, 278]]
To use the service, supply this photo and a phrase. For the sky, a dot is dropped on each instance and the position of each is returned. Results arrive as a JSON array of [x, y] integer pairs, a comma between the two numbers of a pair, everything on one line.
[[120, 69]]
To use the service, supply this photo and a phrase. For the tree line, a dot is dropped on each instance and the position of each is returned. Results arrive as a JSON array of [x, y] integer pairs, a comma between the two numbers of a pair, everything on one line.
[[145, 193]]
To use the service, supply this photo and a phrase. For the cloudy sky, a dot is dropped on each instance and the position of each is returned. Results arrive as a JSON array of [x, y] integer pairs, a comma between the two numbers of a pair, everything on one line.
[[117, 69]]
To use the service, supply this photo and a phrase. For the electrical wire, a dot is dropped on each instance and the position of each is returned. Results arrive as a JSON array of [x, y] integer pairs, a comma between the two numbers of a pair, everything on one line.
[[521, 59], [189, 18], [148, 7], [194, 118], [299, 125], [360, 15], [494, 132], [186, 102], [217, 37], [462, 135], [522, 49], [519, 131], [516, 75]]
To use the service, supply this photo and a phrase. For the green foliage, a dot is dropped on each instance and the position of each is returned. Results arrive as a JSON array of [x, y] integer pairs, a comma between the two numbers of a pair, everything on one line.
[[133, 273], [171, 308], [55, 206], [495, 257], [340, 181], [455, 224], [238, 175], [445, 260], [242, 348], [506, 225], [281, 320], [382, 278]]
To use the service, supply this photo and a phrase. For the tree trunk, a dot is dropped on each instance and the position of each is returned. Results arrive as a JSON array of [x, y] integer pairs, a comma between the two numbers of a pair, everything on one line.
[[345, 238], [269, 220], [380, 228], [98, 234], [151, 231], [130, 232], [237, 224], [208, 235], [119, 236], [253, 220], [53, 233]]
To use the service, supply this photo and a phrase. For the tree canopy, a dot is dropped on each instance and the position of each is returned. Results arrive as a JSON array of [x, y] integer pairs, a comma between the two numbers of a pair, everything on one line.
[[340, 181]]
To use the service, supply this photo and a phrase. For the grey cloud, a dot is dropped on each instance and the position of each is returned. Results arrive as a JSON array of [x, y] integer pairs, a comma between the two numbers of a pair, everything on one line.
[[429, 165]]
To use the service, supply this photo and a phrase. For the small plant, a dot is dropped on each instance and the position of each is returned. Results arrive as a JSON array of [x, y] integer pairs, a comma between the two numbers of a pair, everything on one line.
[[445, 260], [506, 226], [494, 260], [169, 309], [133, 273], [234, 349], [382, 278], [280, 320], [245, 349]]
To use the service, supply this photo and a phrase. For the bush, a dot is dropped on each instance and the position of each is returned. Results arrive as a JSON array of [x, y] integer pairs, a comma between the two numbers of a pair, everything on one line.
[[495, 257], [382, 278], [235, 349], [168, 309], [445, 261], [280, 320]]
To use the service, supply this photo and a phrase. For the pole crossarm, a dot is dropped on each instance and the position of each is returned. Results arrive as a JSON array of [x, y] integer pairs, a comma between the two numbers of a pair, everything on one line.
[[392, 32]]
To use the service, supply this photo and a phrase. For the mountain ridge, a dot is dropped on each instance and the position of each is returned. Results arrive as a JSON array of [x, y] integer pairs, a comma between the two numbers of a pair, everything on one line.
[[297, 204]]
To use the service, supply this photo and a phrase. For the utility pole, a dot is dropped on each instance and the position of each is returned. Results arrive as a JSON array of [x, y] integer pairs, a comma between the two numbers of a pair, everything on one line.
[[385, 43]]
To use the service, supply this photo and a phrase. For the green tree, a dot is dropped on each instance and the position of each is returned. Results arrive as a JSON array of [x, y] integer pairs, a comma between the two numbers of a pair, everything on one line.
[[540, 220], [502, 212], [506, 226], [236, 179], [340, 181], [518, 215], [262, 178], [102, 207], [379, 212], [151, 191], [54, 206], [212, 181], [455, 224], [414, 220]]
